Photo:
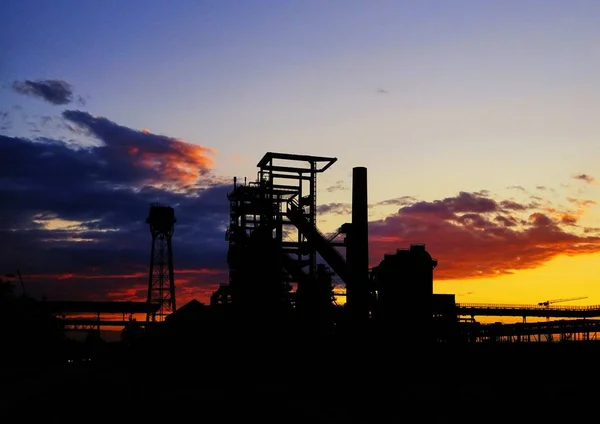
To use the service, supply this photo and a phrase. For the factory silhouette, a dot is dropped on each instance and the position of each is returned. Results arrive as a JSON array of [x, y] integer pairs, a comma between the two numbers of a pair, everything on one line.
[[283, 274], [279, 306]]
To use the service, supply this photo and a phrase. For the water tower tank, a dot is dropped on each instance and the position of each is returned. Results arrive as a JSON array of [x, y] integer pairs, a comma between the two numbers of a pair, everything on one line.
[[161, 218]]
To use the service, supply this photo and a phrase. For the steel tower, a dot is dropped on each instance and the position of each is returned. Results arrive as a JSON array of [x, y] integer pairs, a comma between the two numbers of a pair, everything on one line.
[[161, 283], [263, 239]]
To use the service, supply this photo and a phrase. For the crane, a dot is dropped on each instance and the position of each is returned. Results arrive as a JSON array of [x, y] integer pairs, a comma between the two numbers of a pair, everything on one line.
[[547, 303]]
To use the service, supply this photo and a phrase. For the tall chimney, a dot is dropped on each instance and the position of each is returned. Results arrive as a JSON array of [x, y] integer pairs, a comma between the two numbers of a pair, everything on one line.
[[358, 296]]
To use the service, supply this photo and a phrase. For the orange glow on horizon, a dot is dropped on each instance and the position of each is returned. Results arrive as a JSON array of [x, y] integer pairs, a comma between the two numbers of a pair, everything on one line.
[[479, 243], [190, 284], [91, 276]]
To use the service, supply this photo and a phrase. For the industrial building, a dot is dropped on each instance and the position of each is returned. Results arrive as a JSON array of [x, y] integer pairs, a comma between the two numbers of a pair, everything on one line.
[[282, 266], [282, 270]]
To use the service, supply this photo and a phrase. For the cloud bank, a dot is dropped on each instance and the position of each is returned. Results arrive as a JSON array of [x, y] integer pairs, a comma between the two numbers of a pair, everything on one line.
[[73, 216], [475, 235]]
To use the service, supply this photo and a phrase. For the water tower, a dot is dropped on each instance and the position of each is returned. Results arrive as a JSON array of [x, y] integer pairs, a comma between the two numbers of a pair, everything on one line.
[[161, 284]]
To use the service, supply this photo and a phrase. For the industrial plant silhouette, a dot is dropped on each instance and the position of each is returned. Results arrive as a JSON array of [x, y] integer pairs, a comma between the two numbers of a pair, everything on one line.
[[277, 318]]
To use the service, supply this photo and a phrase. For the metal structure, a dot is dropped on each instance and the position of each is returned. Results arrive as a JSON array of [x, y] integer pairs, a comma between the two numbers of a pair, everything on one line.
[[536, 332], [550, 302], [473, 310], [274, 242], [92, 315], [575, 323], [161, 281], [281, 266], [277, 255]]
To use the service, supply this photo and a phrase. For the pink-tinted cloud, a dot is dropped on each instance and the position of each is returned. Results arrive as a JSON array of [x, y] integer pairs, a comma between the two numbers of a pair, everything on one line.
[[474, 235], [151, 158]]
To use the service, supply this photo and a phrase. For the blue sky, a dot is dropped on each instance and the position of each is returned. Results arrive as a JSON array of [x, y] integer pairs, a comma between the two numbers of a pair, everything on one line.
[[246, 77], [434, 97]]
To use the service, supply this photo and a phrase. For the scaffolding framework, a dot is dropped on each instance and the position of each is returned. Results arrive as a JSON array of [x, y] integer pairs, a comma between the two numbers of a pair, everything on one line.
[[296, 177], [260, 209]]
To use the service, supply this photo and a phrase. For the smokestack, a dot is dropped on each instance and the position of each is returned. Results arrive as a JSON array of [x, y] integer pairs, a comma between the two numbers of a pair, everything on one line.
[[358, 298]]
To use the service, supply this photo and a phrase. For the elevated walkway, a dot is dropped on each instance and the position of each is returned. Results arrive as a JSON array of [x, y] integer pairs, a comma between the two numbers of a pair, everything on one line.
[[500, 310]]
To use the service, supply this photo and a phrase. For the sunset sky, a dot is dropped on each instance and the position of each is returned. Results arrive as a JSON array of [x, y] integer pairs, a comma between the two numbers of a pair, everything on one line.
[[477, 120]]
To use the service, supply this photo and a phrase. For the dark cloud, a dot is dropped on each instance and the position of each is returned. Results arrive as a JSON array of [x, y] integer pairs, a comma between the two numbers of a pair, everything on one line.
[[79, 212], [335, 209], [56, 92], [512, 205], [140, 157], [475, 236], [585, 177], [506, 221]]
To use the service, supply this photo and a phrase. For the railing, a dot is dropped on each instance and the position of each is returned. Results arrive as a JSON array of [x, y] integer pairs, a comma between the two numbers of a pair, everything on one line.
[[530, 307]]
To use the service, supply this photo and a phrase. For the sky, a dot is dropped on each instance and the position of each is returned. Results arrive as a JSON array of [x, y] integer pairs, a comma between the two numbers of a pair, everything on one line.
[[477, 121]]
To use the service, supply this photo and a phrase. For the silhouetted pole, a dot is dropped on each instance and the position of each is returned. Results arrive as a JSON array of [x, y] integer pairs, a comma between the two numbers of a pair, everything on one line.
[[358, 291], [21, 281]]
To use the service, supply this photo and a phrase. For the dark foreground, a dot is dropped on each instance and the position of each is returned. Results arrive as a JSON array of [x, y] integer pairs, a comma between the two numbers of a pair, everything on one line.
[[477, 384]]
